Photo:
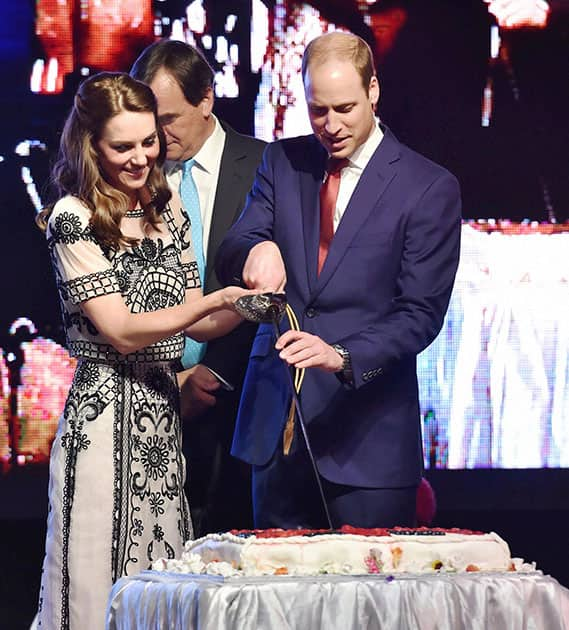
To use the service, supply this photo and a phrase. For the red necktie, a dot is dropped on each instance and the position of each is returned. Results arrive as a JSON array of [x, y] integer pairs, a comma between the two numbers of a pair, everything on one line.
[[328, 197]]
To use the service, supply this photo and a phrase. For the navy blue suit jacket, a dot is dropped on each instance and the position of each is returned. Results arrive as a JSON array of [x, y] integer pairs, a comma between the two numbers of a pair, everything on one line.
[[382, 293]]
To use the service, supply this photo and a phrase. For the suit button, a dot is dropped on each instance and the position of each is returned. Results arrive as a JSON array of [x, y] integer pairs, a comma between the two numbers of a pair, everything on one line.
[[311, 312]]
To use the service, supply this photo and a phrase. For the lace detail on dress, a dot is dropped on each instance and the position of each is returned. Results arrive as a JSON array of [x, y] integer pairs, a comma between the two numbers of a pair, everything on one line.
[[86, 287]]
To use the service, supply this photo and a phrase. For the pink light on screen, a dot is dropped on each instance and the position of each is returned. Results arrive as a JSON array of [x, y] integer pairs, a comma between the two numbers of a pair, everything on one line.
[[46, 377]]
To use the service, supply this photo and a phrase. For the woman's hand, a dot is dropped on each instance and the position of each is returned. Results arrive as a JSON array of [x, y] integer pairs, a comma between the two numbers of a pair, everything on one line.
[[229, 295]]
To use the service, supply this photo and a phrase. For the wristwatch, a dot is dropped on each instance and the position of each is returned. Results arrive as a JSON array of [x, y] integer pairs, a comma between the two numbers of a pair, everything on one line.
[[345, 374]]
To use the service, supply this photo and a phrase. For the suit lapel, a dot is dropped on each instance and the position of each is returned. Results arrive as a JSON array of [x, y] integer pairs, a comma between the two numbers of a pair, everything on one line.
[[375, 179], [310, 181], [225, 207]]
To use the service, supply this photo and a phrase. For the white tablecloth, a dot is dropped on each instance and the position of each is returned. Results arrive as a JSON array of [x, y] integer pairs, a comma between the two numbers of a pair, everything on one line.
[[494, 385], [491, 601]]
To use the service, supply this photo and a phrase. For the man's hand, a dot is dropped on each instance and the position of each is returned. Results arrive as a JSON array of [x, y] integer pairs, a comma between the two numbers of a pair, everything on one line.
[[264, 268], [196, 391], [519, 13], [304, 350]]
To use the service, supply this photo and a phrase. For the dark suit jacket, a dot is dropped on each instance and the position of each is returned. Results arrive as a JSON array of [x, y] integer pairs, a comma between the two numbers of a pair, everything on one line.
[[382, 293], [228, 355], [218, 485]]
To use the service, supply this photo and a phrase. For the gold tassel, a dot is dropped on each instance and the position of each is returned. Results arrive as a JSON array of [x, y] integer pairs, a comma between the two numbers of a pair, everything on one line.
[[288, 432]]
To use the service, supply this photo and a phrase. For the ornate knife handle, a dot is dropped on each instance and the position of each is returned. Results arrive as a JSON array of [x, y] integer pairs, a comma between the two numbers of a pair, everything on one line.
[[262, 308]]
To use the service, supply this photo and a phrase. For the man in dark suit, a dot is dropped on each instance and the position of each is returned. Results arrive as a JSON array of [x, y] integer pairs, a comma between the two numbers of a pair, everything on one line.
[[222, 170], [366, 303]]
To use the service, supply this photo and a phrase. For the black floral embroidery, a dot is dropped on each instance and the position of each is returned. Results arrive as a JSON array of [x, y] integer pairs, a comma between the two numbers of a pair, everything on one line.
[[81, 408], [148, 249], [158, 300], [82, 442], [109, 252], [158, 383], [182, 231], [67, 440], [158, 533], [67, 228], [138, 528], [87, 375], [123, 282], [156, 502], [77, 441], [154, 455], [185, 235]]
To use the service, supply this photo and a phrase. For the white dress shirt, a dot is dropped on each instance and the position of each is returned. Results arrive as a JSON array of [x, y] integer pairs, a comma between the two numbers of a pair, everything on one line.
[[351, 174], [205, 174]]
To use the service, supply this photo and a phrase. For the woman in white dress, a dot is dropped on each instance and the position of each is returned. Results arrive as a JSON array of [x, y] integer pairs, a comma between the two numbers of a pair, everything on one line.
[[129, 290]]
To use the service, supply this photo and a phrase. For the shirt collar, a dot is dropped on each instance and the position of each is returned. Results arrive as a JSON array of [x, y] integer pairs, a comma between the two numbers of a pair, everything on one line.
[[208, 156], [362, 155]]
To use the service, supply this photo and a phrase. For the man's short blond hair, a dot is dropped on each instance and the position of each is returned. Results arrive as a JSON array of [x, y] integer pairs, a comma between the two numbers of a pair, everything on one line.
[[340, 46]]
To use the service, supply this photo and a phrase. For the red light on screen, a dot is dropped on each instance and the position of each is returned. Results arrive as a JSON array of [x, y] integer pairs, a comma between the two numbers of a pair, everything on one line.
[[100, 35]]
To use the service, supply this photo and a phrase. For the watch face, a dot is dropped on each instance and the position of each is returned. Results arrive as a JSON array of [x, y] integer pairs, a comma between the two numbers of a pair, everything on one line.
[[345, 373], [343, 353]]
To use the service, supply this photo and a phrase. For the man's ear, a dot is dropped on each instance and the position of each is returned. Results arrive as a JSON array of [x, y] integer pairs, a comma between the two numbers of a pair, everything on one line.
[[207, 103], [374, 91]]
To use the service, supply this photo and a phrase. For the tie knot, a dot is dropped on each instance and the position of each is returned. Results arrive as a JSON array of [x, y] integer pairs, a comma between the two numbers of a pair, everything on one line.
[[188, 166], [335, 165]]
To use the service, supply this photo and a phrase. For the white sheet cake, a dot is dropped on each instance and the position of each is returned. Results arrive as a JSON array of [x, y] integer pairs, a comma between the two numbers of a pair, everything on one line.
[[348, 551]]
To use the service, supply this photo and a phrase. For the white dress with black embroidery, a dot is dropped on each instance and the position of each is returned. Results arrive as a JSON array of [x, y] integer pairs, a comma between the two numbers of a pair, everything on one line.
[[116, 499]]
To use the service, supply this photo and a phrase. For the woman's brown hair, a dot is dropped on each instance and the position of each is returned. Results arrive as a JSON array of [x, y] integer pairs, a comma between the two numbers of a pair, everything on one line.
[[76, 170]]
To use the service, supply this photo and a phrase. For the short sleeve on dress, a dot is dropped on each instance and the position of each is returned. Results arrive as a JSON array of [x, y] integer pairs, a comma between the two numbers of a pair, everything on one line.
[[83, 271]]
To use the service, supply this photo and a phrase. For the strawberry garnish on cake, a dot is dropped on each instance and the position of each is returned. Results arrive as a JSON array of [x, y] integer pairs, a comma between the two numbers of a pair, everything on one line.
[[357, 531]]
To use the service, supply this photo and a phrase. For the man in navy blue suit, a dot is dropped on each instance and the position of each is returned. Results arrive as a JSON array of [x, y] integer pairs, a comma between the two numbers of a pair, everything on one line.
[[369, 285]]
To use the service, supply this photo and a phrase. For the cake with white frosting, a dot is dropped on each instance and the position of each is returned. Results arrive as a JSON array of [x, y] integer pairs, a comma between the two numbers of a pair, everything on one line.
[[347, 551]]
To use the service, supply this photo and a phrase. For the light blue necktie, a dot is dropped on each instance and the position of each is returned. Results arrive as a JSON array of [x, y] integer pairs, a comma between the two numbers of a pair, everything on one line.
[[193, 350]]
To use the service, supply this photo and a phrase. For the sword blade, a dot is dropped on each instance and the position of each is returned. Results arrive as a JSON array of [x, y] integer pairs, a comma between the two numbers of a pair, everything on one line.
[[302, 424]]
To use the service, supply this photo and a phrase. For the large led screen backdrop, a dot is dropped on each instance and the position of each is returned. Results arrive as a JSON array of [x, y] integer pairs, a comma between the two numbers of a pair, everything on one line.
[[487, 102]]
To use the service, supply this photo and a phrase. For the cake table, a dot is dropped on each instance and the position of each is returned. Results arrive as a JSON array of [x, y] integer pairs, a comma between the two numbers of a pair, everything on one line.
[[466, 601]]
